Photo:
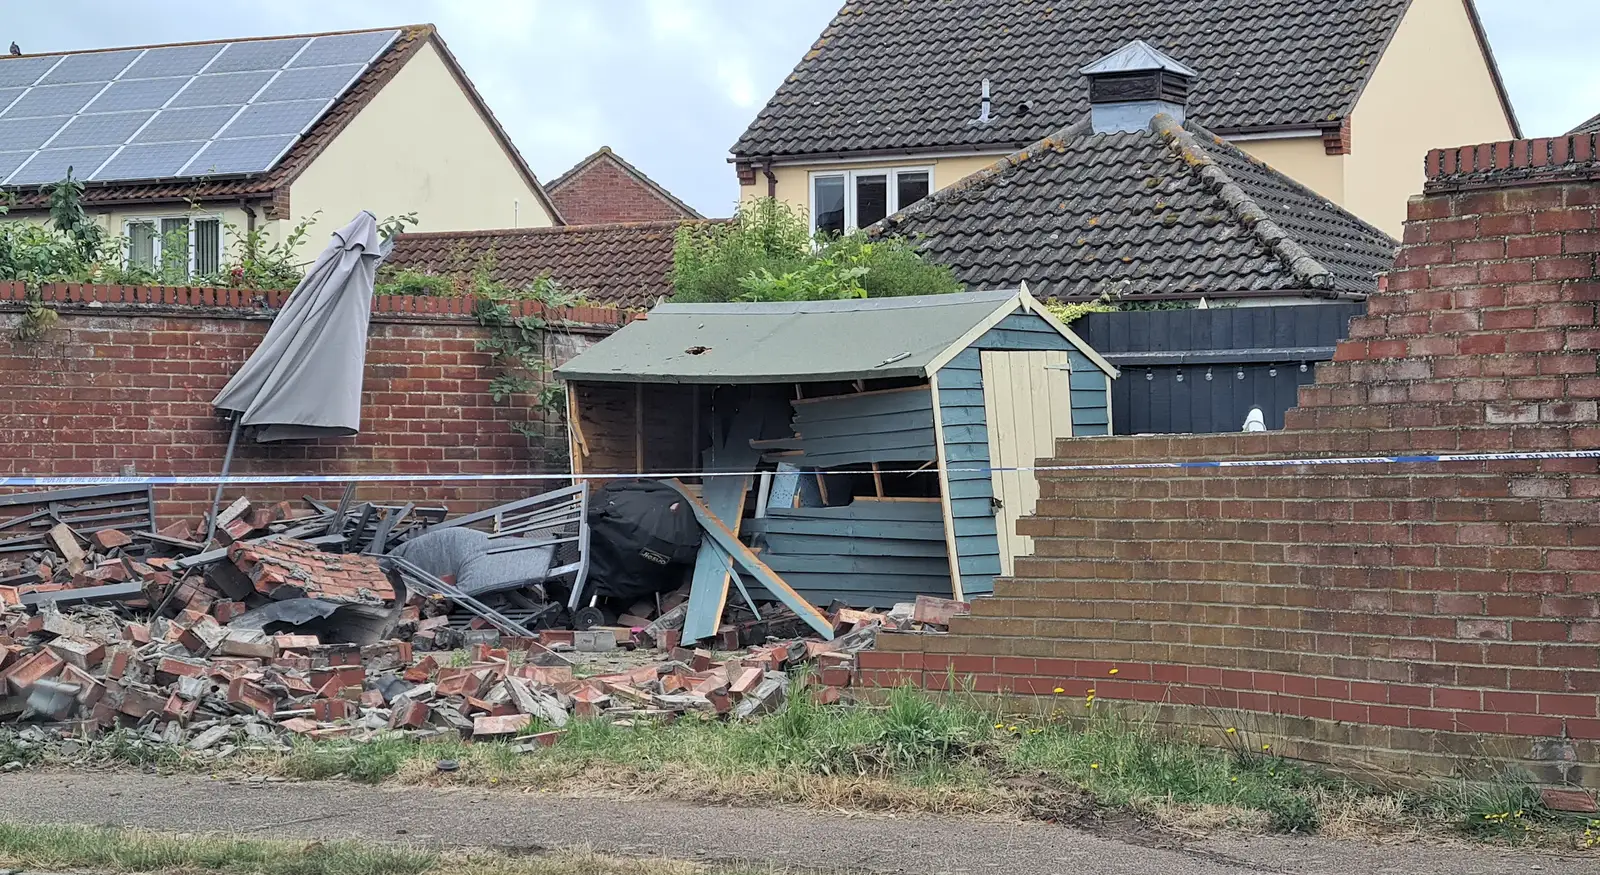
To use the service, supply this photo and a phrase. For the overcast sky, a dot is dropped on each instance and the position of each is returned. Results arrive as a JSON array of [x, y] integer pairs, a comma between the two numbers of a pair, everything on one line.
[[670, 84]]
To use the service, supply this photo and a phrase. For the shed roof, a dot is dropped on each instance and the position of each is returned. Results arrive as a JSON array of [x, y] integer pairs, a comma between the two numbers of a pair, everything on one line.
[[803, 341]]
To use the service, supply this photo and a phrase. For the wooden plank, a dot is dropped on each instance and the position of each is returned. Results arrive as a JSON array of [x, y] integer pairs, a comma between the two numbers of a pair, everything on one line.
[[638, 427], [724, 498], [577, 447], [870, 424], [828, 545], [915, 566], [880, 529], [747, 561], [948, 530], [862, 509]]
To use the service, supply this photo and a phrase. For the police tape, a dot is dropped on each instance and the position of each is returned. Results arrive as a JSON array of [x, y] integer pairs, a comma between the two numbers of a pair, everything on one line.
[[21, 481]]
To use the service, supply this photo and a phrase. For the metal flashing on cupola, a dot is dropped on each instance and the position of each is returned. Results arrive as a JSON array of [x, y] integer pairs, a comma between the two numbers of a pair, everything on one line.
[[1132, 85]]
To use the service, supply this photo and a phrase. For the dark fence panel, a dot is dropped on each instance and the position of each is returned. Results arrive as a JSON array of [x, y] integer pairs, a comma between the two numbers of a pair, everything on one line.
[[1201, 371]]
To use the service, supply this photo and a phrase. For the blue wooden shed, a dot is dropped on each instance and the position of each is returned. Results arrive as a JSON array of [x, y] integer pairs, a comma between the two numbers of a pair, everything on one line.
[[873, 443]]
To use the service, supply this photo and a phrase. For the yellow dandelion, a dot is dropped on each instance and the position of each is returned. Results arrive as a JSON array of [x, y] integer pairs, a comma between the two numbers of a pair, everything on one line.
[[1231, 730], [1011, 729], [1091, 692], [1114, 671], [1094, 765], [999, 726], [1266, 747], [1234, 780], [1060, 690]]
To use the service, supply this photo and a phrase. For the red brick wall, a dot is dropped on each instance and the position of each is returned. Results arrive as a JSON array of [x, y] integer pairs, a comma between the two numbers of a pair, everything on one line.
[[1403, 617], [604, 192], [126, 377]]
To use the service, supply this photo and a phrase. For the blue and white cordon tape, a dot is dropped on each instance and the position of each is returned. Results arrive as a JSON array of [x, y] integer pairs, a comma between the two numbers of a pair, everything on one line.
[[279, 479]]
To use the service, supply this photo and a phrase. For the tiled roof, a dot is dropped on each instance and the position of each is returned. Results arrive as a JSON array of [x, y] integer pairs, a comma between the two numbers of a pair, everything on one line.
[[1174, 212], [317, 138], [1591, 126], [585, 193], [623, 265], [906, 74]]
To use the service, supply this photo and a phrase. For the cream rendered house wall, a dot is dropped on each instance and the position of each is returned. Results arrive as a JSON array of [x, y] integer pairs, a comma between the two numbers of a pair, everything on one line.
[[1305, 160], [1433, 88], [794, 180], [418, 146]]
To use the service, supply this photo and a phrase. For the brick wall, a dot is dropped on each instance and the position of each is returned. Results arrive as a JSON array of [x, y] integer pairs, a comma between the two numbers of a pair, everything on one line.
[[604, 192], [125, 379], [1400, 617]]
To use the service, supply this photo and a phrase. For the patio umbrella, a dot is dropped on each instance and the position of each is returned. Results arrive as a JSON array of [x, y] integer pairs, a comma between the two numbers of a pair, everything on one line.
[[304, 380]]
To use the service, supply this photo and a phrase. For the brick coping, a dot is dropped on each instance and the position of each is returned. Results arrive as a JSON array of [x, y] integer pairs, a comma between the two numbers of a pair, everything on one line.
[[259, 300]]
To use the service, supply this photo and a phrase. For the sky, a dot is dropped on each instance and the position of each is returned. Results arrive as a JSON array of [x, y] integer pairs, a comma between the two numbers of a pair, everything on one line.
[[670, 84]]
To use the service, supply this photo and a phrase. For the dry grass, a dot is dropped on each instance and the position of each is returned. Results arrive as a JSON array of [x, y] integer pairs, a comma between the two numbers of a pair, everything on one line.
[[116, 851]]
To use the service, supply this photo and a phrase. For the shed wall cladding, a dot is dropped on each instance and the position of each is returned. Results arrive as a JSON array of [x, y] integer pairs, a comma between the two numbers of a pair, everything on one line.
[[895, 425], [966, 436], [870, 552], [1266, 345]]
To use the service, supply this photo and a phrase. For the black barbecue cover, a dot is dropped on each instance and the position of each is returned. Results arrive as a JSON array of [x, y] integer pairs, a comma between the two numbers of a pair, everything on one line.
[[642, 537]]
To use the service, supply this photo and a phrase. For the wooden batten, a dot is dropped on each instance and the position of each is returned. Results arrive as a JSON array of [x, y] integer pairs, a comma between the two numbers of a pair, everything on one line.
[[942, 463]]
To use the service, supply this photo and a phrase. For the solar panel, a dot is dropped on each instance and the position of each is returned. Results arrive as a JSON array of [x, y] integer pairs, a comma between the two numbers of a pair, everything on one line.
[[346, 48], [172, 61], [137, 94], [24, 71], [51, 165], [179, 125], [256, 55], [28, 133], [238, 156], [90, 67], [53, 100], [103, 129], [172, 111], [226, 89], [269, 119], [310, 83], [10, 161], [149, 161]]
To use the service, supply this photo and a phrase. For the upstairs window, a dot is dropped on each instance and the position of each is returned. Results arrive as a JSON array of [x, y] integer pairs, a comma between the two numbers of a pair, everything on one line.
[[845, 200], [190, 245]]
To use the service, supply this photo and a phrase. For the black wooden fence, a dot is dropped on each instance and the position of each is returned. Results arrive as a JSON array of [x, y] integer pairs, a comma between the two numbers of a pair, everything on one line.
[[1201, 371]]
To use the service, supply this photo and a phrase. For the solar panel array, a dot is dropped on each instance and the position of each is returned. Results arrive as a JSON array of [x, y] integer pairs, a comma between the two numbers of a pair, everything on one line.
[[217, 109]]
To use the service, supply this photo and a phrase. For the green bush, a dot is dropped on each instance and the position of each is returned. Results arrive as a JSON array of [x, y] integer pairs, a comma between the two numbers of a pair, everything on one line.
[[766, 253]]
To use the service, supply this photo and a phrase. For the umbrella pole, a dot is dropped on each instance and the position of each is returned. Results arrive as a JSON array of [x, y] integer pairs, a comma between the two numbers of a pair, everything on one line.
[[216, 500]]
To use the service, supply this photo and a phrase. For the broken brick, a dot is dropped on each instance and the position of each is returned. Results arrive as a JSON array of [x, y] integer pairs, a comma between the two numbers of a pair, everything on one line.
[[547, 739], [422, 671], [826, 695], [139, 703], [225, 611], [179, 530], [332, 682], [297, 642], [932, 611], [1568, 799], [31, 669], [745, 681], [299, 725], [178, 709], [138, 633], [250, 695], [509, 724], [78, 651], [329, 710], [111, 539], [411, 715]]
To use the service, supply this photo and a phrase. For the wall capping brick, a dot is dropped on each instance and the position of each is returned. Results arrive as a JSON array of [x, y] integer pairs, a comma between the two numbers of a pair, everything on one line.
[[206, 301]]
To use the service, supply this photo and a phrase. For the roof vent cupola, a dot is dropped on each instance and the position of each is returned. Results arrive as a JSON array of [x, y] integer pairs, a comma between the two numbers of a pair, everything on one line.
[[1128, 87]]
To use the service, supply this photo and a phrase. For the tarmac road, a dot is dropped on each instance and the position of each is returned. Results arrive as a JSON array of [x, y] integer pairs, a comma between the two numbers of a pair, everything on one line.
[[927, 845]]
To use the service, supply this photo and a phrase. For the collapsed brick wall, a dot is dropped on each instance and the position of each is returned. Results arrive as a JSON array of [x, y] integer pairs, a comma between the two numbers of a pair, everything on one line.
[[604, 193], [123, 383], [1404, 617]]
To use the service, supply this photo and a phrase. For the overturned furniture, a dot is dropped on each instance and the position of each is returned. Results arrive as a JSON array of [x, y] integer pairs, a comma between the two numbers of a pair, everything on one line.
[[867, 448]]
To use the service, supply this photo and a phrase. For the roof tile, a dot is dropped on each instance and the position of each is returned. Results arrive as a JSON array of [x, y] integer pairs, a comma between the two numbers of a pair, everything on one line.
[[899, 74]]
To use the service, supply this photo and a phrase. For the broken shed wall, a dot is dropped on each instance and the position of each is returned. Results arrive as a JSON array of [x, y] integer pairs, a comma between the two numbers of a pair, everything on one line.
[[966, 435], [124, 382]]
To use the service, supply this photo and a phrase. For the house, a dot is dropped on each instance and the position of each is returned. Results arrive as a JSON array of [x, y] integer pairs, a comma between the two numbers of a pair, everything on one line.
[[1137, 202], [604, 189], [212, 142], [875, 422], [627, 264], [896, 100]]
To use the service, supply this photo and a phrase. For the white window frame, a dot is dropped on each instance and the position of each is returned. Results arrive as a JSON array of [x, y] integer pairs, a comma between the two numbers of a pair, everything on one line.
[[850, 177], [190, 218]]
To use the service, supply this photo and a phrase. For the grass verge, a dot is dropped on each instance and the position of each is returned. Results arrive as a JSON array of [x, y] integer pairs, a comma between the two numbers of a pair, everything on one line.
[[915, 754], [114, 851]]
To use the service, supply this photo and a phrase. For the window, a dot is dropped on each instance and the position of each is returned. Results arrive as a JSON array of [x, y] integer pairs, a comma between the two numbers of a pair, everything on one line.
[[849, 199], [194, 243]]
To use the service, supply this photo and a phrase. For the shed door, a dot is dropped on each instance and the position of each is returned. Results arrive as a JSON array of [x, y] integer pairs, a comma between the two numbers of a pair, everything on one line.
[[1027, 399]]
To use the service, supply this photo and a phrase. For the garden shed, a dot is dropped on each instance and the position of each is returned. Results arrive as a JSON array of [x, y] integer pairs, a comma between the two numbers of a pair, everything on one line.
[[868, 448]]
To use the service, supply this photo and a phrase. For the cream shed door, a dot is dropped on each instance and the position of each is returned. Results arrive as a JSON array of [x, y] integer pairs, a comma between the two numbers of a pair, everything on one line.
[[1027, 400]]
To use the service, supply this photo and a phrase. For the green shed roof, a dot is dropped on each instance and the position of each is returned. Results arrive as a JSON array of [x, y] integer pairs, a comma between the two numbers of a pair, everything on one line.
[[803, 341]]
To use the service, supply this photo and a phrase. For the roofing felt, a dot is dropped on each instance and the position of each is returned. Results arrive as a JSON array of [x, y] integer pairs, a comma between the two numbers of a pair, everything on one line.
[[623, 265], [907, 74], [804, 341], [1173, 211]]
